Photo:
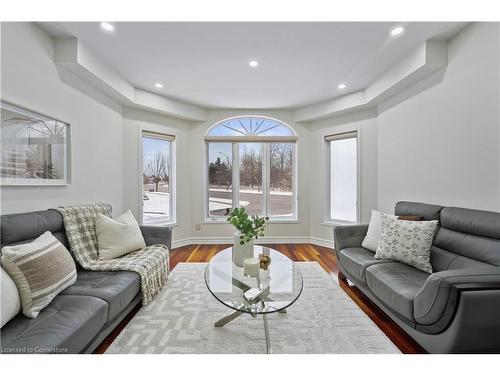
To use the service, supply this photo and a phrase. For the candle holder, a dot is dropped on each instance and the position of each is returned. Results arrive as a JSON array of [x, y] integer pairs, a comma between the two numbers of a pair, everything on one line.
[[251, 267]]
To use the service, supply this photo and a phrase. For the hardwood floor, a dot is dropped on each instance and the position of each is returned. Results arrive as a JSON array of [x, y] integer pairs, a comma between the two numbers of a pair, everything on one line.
[[299, 253]]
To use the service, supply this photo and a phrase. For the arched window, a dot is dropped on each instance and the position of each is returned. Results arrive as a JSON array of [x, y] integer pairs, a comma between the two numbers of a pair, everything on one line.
[[250, 127], [251, 163]]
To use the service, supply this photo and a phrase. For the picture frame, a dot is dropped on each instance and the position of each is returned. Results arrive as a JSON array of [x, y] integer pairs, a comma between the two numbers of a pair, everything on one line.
[[35, 148]]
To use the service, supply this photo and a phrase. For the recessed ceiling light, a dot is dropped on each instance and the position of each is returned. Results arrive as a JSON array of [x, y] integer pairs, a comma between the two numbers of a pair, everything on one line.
[[107, 27], [158, 85], [253, 64], [398, 30], [342, 86]]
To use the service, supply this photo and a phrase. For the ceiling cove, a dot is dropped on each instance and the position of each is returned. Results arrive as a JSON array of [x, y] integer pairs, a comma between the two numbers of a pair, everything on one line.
[[425, 60]]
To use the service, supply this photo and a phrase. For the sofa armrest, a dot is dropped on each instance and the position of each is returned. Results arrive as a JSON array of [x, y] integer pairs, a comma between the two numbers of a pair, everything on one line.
[[154, 235], [435, 303], [348, 236]]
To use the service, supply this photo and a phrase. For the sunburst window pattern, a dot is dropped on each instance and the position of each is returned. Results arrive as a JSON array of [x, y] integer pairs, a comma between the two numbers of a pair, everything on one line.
[[250, 126]]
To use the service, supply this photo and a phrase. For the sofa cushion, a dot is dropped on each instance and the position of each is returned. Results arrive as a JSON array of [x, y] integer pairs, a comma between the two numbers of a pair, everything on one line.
[[470, 233], [118, 289], [443, 260], [65, 326], [396, 285], [27, 226], [355, 260], [476, 222], [427, 211]]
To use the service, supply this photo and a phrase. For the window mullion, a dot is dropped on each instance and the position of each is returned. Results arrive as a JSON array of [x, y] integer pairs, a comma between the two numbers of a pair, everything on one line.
[[236, 175], [170, 178], [266, 177]]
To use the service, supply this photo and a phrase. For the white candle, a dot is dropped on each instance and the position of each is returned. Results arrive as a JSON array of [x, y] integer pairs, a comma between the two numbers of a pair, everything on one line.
[[251, 267]]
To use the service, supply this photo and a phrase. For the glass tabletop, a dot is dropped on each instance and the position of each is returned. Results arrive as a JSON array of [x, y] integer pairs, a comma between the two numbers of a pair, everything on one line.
[[272, 291]]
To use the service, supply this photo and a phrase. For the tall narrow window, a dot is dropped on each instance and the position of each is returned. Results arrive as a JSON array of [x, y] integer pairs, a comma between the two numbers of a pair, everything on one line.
[[251, 194], [220, 178], [343, 177], [282, 161], [263, 179], [157, 179]]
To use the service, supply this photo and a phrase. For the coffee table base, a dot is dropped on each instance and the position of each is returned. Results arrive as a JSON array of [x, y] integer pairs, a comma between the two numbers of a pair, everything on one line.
[[227, 319], [235, 314]]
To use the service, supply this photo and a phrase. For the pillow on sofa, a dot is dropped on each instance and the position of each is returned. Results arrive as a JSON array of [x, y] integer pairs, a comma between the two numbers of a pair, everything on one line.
[[374, 231], [411, 217], [9, 296], [40, 269], [407, 242], [117, 237]]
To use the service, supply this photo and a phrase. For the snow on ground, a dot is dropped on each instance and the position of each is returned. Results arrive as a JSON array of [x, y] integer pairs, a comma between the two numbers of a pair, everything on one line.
[[255, 191], [156, 207], [222, 203]]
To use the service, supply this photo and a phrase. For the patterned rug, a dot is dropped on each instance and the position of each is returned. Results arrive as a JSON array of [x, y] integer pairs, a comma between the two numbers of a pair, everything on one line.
[[180, 320]]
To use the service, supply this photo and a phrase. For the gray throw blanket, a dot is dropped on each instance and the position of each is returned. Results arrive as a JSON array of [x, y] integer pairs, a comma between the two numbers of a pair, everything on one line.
[[151, 263]]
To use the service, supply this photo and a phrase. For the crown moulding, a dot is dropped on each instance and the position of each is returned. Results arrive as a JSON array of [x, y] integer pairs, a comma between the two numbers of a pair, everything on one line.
[[429, 57], [70, 54]]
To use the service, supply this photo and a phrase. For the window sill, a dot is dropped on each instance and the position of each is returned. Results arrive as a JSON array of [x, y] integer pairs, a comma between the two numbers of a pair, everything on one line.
[[284, 221], [208, 221], [163, 225], [335, 223], [271, 221]]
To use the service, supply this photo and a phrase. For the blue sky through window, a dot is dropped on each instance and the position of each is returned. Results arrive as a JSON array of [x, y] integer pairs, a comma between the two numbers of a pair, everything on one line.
[[150, 146]]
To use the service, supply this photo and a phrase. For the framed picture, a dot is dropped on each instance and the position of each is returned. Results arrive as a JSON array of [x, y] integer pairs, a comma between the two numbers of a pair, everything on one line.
[[35, 148]]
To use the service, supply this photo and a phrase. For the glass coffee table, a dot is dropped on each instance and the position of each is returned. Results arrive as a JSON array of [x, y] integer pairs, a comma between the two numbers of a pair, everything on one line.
[[272, 291]]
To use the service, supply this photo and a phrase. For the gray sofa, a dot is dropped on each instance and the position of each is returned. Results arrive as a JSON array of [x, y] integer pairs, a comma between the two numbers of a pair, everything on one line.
[[84, 314], [456, 309]]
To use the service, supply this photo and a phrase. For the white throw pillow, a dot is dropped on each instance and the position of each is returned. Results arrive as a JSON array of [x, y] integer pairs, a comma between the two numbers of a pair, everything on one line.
[[117, 237], [10, 301], [407, 242], [374, 231]]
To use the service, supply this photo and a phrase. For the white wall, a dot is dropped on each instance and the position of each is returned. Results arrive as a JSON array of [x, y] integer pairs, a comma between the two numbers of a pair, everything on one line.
[[213, 231], [30, 79], [498, 107], [136, 120], [438, 142], [366, 124]]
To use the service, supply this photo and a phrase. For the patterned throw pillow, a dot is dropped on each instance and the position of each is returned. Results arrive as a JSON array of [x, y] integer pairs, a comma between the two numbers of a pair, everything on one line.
[[407, 242], [40, 269]]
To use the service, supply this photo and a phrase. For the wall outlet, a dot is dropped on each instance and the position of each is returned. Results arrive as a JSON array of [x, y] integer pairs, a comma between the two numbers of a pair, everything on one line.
[[197, 227]]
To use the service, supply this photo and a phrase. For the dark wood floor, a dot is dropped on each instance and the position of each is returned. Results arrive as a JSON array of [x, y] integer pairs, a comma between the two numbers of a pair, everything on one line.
[[299, 253]]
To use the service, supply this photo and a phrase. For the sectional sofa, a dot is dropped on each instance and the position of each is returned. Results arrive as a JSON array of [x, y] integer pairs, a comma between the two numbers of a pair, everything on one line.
[[83, 315], [455, 309]]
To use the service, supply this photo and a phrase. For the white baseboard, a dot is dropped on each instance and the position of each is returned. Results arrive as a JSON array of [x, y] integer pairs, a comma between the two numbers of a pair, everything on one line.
[[321, 242], [182, 242], [270, 240]]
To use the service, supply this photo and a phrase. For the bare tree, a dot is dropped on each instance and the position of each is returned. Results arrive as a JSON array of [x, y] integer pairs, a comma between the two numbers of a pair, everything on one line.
[[281, 166], [157, 168]]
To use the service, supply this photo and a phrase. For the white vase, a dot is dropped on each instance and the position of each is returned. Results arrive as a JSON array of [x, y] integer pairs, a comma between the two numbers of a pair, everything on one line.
[[241, 252]]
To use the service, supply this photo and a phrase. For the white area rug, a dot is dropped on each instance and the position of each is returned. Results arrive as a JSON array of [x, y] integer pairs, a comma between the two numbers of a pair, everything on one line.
[[180, 320]]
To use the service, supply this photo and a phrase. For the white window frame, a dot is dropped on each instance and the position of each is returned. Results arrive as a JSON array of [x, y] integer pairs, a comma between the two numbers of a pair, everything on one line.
[[172, 221], [266, 141], [327, 211]]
